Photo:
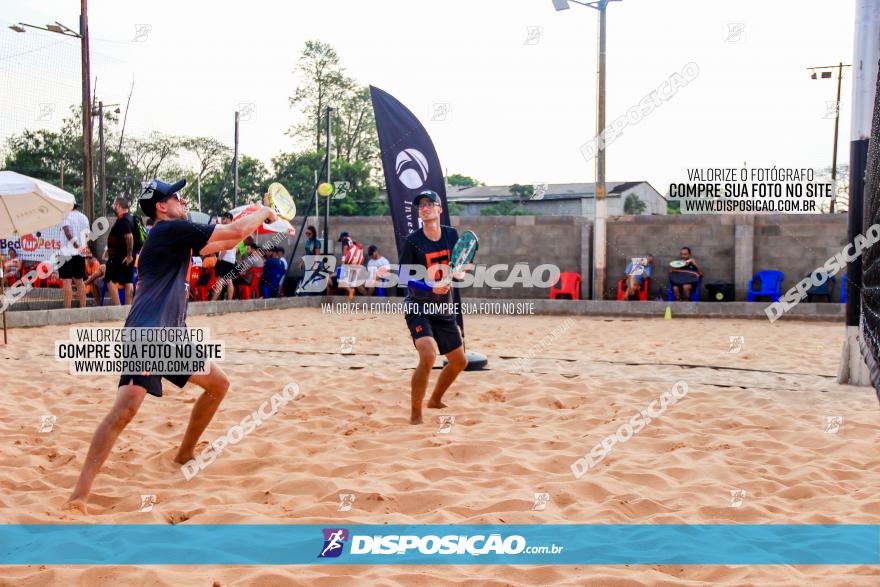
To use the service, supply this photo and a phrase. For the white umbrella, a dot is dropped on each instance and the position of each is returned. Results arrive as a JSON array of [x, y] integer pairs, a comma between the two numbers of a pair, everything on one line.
[[28, 205]]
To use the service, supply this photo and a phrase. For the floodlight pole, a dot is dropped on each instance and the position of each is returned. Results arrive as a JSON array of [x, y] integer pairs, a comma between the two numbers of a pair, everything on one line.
[[601, 207]]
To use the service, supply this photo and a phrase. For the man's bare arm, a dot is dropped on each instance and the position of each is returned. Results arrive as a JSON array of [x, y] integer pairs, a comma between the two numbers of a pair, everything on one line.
[[237, 230]]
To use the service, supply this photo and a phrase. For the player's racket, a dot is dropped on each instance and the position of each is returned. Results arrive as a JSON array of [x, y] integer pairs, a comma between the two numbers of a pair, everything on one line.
[[281, 202], [677, 264], [464, 251]]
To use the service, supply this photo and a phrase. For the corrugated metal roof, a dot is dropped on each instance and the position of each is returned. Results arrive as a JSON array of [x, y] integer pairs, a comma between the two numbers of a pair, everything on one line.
[[555, 191]]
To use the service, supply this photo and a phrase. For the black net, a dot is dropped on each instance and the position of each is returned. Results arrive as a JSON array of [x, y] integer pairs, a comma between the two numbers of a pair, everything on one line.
[[870, 286]]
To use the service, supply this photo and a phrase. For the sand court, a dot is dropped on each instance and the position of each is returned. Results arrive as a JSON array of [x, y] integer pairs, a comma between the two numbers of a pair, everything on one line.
[[764, 435]]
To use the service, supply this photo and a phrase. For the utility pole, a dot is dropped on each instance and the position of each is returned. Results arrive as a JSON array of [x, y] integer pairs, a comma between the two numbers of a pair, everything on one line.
[[327, 199], [827, 75], [88, 180], [103, 159], [235, 166], [599, 255], [599, 223]]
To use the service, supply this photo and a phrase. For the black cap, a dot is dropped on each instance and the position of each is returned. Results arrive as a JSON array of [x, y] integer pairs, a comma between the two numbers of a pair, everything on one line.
[[434, 196], [342, 235], [158, 191]]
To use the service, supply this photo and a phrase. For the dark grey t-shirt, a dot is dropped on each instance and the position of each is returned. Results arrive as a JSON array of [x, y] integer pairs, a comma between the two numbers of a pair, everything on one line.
[[163, 288], [418, 249]]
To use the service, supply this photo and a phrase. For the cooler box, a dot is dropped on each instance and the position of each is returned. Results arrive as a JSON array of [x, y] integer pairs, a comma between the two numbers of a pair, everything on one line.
[[720, 291]]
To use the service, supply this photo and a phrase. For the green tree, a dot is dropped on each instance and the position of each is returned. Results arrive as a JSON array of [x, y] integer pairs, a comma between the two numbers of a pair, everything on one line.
[[354, 128], [296, 172], [673, 207], [323, 82], [460, 180], [522, 192], [505, 208], [253, 179], [633, 205]]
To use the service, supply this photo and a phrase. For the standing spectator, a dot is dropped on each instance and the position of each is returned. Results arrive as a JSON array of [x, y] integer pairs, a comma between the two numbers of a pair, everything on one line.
[[73, 271], [120, 253], [225, 266], [352, 260]]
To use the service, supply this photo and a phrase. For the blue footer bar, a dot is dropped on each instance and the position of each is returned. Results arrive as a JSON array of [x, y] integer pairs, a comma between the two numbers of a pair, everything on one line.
[[535, 544]]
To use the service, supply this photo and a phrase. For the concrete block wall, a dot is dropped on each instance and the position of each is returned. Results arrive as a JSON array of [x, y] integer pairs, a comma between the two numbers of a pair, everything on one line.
[[534, 240], [728, 247]]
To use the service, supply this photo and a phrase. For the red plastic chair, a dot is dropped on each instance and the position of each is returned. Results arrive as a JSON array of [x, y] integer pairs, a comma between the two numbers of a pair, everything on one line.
[[643, 290], [54, 280], [201, 292], [252, 291], [569, 284]]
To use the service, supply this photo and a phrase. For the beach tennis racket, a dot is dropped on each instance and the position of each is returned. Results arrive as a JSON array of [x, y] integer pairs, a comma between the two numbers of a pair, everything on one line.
[[281, 202], [677, 264], [464, 251]]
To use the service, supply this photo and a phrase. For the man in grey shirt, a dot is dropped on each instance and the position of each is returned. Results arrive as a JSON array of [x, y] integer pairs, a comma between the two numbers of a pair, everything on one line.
[[161, 302]]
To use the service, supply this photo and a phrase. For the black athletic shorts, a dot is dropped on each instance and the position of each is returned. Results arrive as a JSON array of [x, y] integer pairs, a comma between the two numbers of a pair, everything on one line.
[[74, 268], [119, 272], [444, 329], [153, 383], [223, 268]]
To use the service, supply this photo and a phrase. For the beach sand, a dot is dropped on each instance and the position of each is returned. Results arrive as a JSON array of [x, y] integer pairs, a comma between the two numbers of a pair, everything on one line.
[[753, 420]]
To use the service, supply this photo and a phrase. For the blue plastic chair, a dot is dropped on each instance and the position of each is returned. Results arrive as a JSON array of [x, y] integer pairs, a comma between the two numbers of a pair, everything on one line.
[[826, 289], [843, 290], [695, 295], [771, 284]]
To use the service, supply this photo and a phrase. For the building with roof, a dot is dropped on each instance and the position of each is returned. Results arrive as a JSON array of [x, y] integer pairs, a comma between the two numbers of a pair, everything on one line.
[[559, 199]]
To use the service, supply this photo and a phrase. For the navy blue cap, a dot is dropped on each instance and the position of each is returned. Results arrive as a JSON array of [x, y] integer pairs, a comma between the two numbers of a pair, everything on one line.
[[343, 235], [158, 191], [434, 196]]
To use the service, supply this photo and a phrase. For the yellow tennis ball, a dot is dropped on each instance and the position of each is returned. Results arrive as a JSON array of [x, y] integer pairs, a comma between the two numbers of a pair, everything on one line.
[[325, 189]]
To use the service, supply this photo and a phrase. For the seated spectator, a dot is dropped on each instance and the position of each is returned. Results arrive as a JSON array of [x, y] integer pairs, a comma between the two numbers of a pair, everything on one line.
[[685, 275], [208, 264], [377, 266], [253, 258], [94, 283], [282, 257], [11, 266], [635, 274], [273, 274]]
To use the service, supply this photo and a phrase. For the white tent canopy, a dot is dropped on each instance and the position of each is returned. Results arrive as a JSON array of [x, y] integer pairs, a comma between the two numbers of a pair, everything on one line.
[[28, 205]]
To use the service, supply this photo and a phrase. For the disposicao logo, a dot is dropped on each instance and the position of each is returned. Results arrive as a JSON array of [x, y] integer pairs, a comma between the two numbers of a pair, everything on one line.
[[334, 541]]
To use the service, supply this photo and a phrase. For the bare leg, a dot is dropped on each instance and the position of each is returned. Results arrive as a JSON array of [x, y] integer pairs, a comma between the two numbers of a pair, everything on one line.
[[129, 293], [128, 401], [215, 383], [676, 291], [427, 356], [457, 362], [68, 292], [114, 293], [80, 292], [687, 291]]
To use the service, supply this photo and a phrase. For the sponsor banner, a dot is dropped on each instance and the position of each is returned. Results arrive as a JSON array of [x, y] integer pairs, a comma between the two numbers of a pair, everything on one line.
[[38, 246], [410, 163], [352, 544]]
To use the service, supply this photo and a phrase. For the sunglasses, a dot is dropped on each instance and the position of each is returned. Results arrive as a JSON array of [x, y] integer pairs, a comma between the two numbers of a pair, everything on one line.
[[427, 205]]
